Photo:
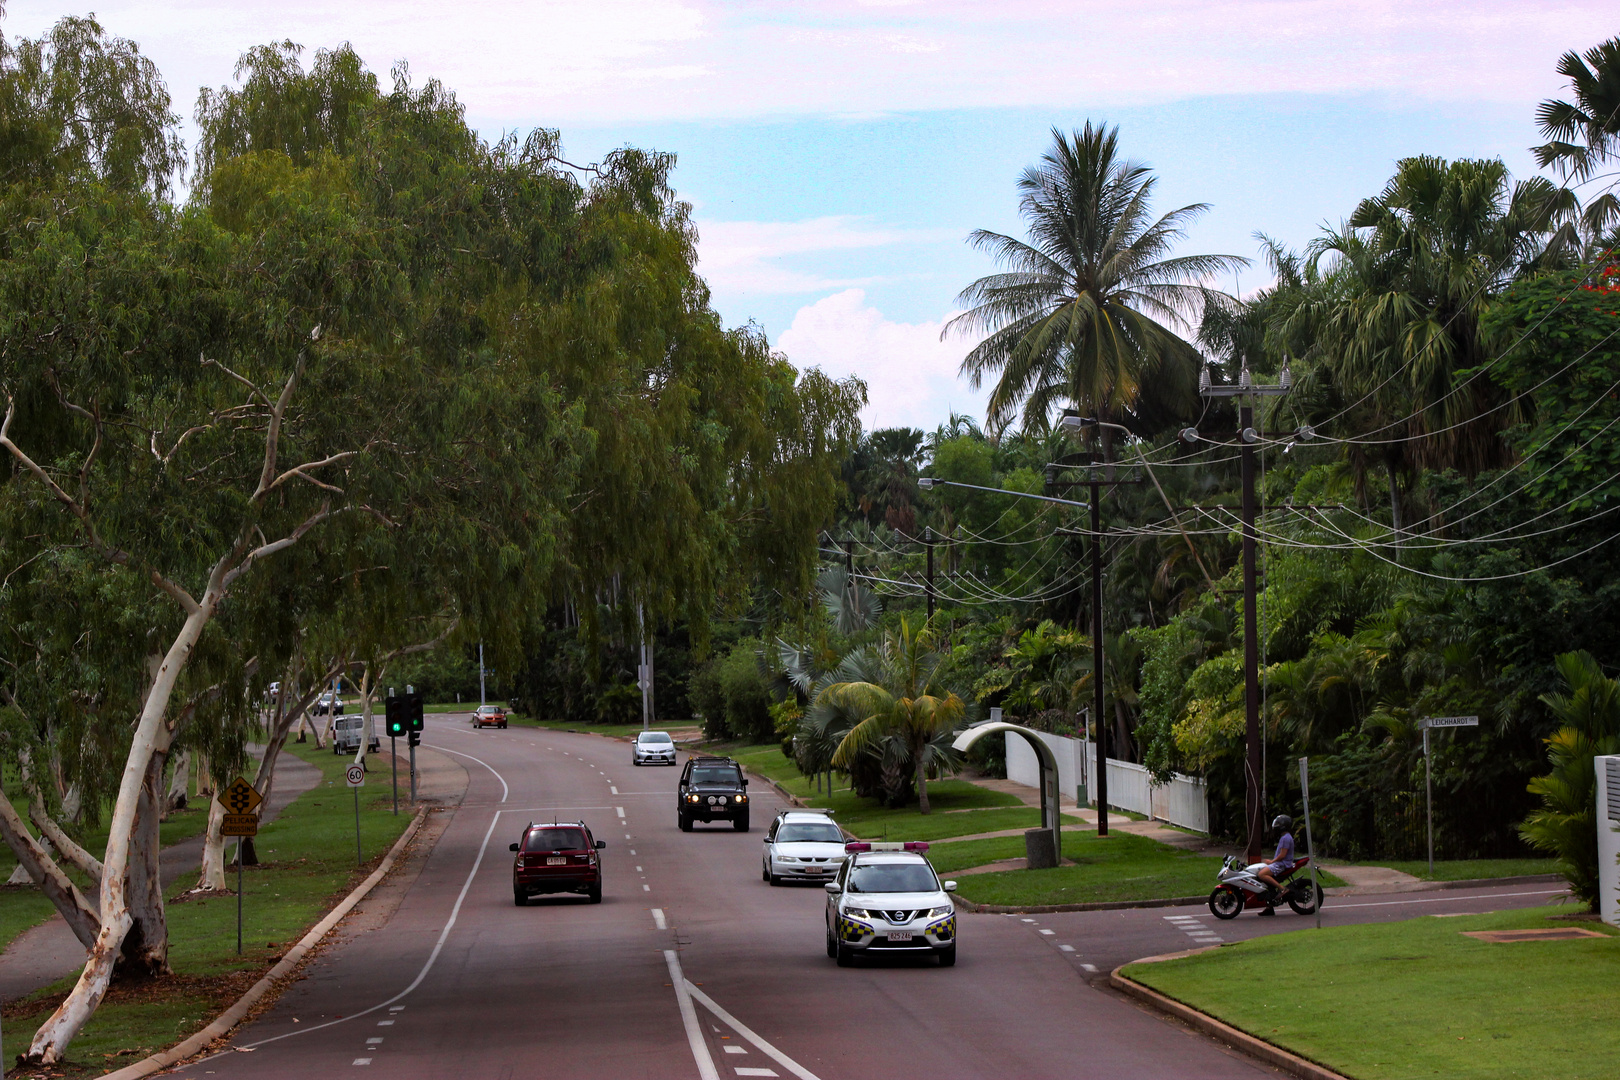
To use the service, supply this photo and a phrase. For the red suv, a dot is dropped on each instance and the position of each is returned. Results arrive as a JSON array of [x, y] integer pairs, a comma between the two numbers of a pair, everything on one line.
[[558, 856]]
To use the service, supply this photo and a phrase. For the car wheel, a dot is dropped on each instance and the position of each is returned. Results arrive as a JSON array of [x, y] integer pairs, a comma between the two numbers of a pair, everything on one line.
[[595, 893], [518, 898], [844, 954], [947, 956], [740, 824], [832, 946], [684, 822]]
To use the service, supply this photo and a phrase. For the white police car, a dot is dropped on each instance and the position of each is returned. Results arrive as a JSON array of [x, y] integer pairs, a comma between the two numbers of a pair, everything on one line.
[[802, 845], [887, 899]]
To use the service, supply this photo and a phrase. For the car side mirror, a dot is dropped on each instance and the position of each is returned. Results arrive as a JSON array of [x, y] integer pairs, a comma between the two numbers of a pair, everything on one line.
[[832, 887], [514, 847], [950, 886], [600, 844]]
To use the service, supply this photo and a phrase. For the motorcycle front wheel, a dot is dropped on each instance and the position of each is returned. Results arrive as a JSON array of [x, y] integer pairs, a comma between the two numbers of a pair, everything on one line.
[[1225, 902], [1305, 903]]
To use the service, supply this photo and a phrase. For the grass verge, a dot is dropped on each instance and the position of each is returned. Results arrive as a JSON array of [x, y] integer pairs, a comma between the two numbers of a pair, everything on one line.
[[612, 731], [308, 865], [1393, 1001], [1470, 869], [1120, 867]]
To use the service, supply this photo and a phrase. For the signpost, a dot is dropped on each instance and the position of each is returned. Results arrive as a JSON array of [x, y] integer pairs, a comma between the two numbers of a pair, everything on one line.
[[356, 776], [241, 803], [1310, 848], [1428, 784]]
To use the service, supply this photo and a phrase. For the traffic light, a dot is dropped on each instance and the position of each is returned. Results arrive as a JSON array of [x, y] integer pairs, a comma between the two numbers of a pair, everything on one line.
[[404, 714], [414, 739]]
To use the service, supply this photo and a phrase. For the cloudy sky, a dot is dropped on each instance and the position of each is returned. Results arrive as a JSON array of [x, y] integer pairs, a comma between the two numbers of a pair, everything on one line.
[[838, 152]]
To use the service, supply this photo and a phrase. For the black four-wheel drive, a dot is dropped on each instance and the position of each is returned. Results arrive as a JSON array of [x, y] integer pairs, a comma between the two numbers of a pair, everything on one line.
[[712, 789]]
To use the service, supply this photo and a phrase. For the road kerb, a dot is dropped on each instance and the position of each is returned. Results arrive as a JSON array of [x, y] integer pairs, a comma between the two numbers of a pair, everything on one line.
[[1226, 1033], [234, 1015]]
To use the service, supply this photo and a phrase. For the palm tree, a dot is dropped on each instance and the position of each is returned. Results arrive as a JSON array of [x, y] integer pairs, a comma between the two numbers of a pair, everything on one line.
[[1398, 314], [1567, 823], [897, 712], [1585, 135], [1079, 316]]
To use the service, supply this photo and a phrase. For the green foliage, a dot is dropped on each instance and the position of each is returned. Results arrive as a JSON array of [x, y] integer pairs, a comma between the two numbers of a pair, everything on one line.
[[1566, 824], [731, 696]]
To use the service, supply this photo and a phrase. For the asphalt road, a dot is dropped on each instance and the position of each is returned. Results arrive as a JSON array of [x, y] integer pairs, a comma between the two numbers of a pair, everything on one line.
[[692, 967]]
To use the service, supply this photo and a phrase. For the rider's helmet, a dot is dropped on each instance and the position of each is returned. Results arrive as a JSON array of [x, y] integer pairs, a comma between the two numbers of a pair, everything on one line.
[[1282, 821]]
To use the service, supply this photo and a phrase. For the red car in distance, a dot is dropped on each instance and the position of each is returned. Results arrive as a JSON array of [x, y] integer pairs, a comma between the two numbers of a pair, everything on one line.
[[559, 856], [489, 716]]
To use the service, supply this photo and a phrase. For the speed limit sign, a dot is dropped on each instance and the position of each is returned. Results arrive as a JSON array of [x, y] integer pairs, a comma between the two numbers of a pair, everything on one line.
[[356, 775]]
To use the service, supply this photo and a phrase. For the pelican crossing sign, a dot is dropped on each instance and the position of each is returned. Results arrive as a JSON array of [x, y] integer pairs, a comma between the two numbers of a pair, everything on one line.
[[241, 804]]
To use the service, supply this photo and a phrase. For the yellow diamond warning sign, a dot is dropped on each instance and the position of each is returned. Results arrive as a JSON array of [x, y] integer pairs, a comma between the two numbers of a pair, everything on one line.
[[238, 797], [241, 825]]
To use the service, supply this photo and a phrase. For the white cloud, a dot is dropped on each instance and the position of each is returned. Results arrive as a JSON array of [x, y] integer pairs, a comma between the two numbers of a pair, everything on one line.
[[746, 257], [563, 62], [910, 373]]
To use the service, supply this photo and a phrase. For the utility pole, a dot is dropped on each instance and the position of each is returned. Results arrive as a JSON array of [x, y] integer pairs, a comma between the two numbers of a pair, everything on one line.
[[644, 673], [480, 672], [928, 539], [1246, 391]]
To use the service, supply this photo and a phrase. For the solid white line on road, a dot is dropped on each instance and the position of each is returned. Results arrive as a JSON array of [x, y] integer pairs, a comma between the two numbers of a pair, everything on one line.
[[1453, 899], [620, 810], [658, 918], [505, 791], [1067, 948], [694, 1034], [737, 1025]]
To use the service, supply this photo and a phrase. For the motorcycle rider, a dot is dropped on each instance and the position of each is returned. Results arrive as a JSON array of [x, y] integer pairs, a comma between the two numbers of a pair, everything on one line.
[[1281, 863]]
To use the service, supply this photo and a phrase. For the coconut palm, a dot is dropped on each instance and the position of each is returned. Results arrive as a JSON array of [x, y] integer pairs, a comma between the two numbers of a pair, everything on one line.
[[1079, 316], [897, 712]]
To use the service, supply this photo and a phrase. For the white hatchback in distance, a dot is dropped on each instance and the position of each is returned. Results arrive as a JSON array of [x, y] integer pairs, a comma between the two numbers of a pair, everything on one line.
[[654, 748], [802, 845]]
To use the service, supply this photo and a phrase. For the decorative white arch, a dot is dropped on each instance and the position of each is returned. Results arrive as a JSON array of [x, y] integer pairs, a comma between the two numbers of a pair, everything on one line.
[[1051, 810]]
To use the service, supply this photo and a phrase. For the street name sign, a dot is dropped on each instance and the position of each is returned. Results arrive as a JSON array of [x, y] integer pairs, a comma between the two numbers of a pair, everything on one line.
[[355, 775], [1448, 721]]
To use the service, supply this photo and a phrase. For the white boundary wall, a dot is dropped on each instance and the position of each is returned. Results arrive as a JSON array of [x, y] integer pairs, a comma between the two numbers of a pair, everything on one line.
[[1180, 802], [1608, 830]]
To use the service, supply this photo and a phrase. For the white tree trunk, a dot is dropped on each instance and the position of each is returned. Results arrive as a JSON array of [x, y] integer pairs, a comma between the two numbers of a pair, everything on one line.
[[144, 953], [63, 843], [179, 785], [212, 876], [42, 870], [51, 1040]]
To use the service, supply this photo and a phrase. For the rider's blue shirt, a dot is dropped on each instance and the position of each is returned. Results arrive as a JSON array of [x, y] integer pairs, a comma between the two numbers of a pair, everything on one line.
[[1285, 853]]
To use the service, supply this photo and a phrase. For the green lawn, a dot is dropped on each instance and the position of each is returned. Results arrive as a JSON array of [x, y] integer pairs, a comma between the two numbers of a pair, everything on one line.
[[1470, 869], [1120, 867], [308, 864], [1418, 999]]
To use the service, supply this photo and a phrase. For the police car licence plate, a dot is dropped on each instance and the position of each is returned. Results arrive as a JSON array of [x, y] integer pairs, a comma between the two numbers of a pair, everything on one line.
[[557, 861], [899, 935]]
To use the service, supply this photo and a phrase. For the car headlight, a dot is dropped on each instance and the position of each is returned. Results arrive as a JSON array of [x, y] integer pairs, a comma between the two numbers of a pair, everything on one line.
[[691, 798], [742, 798], [857, 913], [787, 858], [940, 912]]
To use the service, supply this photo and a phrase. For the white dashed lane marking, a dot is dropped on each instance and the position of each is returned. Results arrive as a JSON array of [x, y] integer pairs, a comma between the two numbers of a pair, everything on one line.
[[374, 1040], [646, 888], [1090, 967], [1066, 948], [756, 1072], [613, 789], [728, 1048], [1048, 932], [1189, 925], [658, 918], [362, 1061], [620, 811], [385, 1023]]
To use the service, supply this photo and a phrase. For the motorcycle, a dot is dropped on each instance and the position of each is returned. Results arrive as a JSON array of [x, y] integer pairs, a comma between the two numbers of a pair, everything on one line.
[[1240, 888]]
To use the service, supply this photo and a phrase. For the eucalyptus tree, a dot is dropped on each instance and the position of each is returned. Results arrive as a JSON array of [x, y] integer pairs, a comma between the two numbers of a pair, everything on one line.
[[1082, 314]]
